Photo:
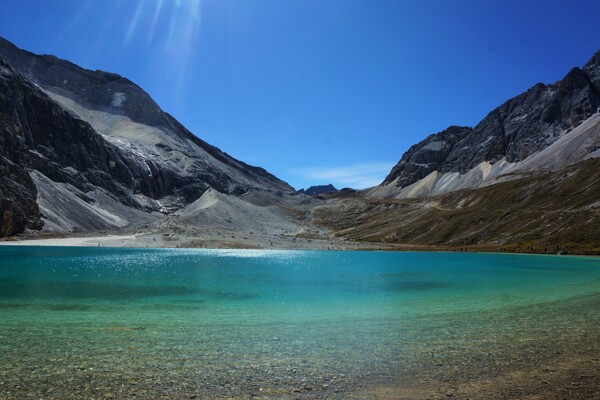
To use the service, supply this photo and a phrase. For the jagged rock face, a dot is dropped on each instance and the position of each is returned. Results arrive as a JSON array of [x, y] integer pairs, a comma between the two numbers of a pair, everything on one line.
[[427, 156], [37, 134], [66, 149], [518, 128], [18, 207], [592, 70]]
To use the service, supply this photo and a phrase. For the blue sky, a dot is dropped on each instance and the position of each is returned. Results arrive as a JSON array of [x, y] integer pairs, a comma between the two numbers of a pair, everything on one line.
[[329, 91]]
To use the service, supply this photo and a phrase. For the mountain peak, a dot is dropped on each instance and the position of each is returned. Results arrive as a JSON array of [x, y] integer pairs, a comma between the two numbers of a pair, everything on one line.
[[318, 189], [6, 43], [592, 70], [426, 156], [82, 134], [518, 128]]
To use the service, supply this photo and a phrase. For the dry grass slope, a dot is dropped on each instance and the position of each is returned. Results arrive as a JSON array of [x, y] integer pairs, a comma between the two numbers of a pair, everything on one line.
[[545, 213]]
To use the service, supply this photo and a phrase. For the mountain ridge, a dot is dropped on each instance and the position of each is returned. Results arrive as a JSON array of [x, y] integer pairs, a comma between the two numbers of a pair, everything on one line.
[[64, 77], [105, 148], [101, 156], [518, 128], [316, 190]]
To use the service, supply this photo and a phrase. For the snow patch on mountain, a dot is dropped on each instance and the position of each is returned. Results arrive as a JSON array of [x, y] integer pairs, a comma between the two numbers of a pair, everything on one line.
[[118, 99]]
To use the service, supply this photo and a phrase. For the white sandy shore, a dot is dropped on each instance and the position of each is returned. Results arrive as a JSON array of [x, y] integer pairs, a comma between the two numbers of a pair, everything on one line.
[[219, 240], [110, 240]]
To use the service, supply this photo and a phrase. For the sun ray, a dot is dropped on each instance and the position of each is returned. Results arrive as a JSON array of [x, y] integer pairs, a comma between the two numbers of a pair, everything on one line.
[[159, 5], [181, 40], [105, 28], [134, 22], [195, 8], [69, 27]]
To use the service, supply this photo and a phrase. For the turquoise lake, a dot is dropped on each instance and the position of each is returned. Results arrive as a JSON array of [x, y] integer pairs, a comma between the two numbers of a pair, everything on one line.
[[176, 323]]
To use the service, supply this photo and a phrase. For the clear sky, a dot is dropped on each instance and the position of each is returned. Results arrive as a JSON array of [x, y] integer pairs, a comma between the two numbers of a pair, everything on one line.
[[328, 91]]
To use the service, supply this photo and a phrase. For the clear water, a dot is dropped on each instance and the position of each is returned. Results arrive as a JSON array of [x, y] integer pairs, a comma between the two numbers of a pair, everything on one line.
[[238, 323]]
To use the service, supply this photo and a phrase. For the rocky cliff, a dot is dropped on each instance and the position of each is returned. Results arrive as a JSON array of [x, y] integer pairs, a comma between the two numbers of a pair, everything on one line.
[[18, 207], [39, 135], [522, 126]]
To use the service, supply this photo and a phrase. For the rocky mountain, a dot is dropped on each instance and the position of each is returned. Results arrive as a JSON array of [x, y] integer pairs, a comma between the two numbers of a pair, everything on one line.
[[38, 135], [425, 157], [18, 207], [318, 189], [526, 125], [526, 179], [90, 150]]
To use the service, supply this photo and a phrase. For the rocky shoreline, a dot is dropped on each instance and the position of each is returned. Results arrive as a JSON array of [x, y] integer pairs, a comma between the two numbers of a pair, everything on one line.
[[549, 352]]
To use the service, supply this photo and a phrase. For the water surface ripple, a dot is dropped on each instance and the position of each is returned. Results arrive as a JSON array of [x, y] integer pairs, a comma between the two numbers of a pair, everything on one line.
[[171, 323]]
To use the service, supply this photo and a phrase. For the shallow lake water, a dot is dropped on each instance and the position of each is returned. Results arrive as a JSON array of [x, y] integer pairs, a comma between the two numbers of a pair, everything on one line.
[[174, 323]]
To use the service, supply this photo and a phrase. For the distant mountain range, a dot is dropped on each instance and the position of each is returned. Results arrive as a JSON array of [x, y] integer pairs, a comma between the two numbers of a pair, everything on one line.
[[90, 151], [318, 189]]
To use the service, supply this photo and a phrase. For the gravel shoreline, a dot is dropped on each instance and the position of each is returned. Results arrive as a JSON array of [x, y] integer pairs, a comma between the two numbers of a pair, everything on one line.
[[548, 351]]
